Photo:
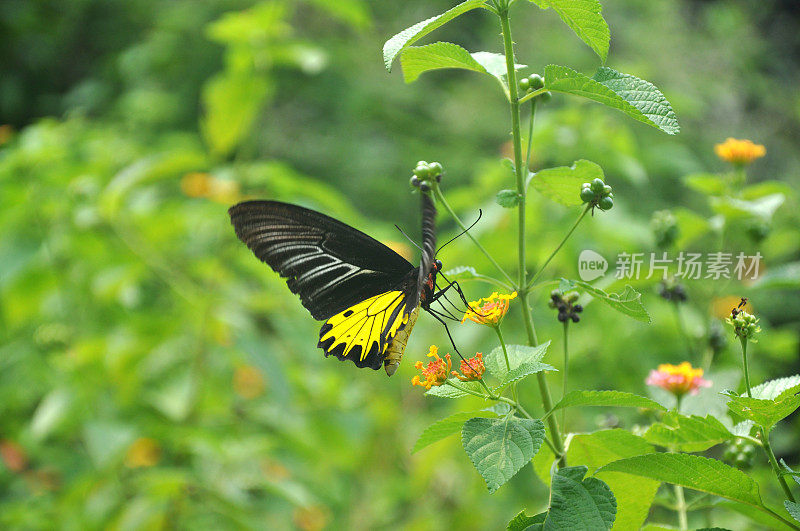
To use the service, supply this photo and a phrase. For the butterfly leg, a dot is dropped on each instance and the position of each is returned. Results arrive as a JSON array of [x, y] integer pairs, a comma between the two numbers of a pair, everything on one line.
[[436, 316]]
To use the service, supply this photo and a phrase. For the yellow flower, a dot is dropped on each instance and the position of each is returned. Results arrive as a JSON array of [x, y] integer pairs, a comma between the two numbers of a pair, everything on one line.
[[739, 152], [490, 310], [436, 372], [678, 379]]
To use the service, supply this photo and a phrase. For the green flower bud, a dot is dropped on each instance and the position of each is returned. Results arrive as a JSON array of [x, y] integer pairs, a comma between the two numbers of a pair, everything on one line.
[[745, 325], [544, 97], [587, 195], [535, 81], [605, 203], [423, 172], [524, 84], [597, 186], [607, 190], [435, 169]]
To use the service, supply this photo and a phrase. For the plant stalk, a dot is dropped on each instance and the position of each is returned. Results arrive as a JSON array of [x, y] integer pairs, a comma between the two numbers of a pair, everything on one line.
[[547, 401], [560, 245], [566, 375], [683, 520]]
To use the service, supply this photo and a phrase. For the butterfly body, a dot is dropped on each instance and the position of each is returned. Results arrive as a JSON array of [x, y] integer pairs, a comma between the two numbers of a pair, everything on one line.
[[368, 295]]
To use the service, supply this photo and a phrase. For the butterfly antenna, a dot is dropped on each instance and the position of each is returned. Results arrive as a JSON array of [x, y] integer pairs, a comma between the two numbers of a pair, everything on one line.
[[408, 237], [463, 232]]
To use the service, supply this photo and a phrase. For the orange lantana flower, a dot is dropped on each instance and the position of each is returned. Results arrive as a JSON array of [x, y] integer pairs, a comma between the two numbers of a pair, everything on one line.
[[471, 369], [436, 372], [739, 152], [490, 310], [678, 379]]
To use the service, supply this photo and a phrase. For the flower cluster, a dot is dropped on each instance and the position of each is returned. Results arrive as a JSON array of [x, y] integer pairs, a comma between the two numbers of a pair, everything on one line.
[[739, 152], [534, 82], [436, 372], [471, 369], [745, 325], [672, 291], [490, 310], [423, 174], [567, 309], [678, 379], [597, 194]]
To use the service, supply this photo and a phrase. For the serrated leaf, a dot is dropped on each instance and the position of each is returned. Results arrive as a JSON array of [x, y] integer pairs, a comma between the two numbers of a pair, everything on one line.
[[507, 198], [635, 97], [793, 509], [586, 20], [453, 389], [691, 471], [523, 371], [688, 433], [495, 361], [410, 35], [765, 413], [577, 503], [771, 389], [445, 427], [523, 522], [628, 302], [634, 494], [606, 398], [563, 184], [499, 448]]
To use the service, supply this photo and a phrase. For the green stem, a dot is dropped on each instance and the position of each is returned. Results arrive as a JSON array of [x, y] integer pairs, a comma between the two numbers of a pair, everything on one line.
[[560, 245], [533, 94], [778, 517], [522, 286], [437, 192], [744, 366], [683, 521], [508, 364], [566, 375], [774, 464], [530, 137]]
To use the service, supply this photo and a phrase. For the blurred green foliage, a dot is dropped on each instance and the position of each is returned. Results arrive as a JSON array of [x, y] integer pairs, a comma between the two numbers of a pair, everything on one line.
[[152, 373]]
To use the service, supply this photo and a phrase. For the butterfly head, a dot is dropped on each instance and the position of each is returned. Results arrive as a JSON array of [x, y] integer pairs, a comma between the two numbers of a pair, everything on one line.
[[437, 265]]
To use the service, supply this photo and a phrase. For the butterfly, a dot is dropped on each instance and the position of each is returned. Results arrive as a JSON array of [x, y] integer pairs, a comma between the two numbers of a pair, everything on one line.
[[368, 295]]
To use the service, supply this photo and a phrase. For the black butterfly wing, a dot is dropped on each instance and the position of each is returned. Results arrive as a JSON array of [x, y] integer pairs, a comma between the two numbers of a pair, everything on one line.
[[329, 264]]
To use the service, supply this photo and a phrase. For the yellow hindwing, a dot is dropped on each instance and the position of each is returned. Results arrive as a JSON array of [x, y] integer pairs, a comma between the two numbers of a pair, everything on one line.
[[366, 328]]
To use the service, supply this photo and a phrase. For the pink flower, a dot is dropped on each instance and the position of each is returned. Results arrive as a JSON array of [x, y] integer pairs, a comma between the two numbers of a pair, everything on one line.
[[678, 379]]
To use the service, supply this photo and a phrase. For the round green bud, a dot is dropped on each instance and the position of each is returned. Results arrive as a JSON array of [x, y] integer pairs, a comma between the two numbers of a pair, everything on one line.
[[587, 195], [605, 203], [597, 185], [423, 172], [524, 84], [422, 163], [435, 168], [535, 81], [606, 190], [544, 97]]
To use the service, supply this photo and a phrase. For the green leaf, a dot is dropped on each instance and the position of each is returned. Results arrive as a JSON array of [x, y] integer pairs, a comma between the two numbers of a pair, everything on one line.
[[635, 97], [691, 471], [495, 65], [763, 207], [577, 503], [543, 463], [563, 184], [106, 441], [409, 36], [523, 371], [499, 448], [518, 355], [634, 494], [586, 20], [507, 198], [461, 273], [628, 302], [706, 183], [765, 413], [445, 427], [606, 398], [231, 103], [687, 434], [793, 509], [450, 390], [771, 389], [523, 522]]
